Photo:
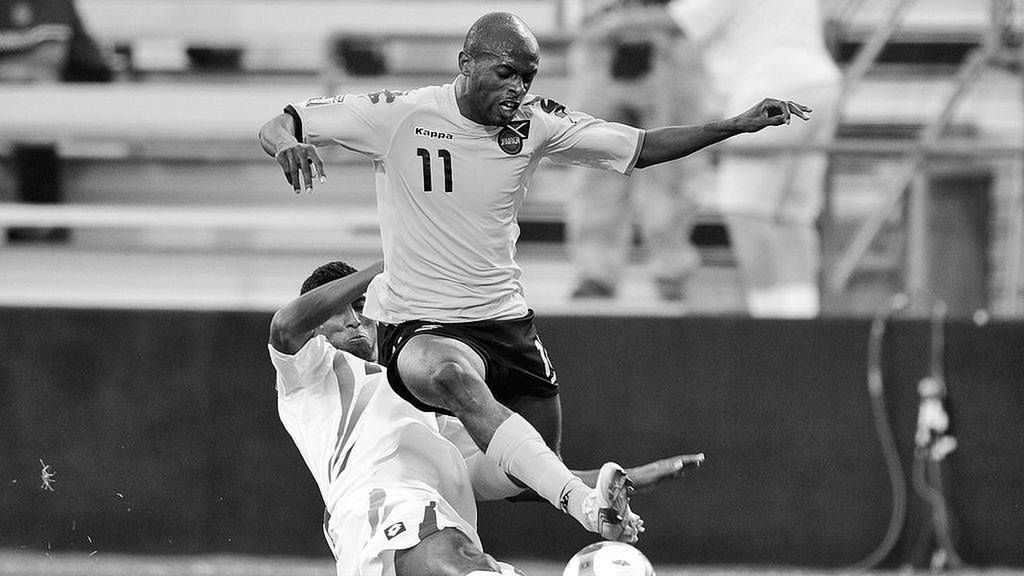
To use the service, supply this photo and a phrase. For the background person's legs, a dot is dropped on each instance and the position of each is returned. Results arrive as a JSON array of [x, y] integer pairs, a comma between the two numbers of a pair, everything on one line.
[[599, 227], [771, 203], [665, 196], [599, 215], [752, 240], [798, 261], [667, 214]]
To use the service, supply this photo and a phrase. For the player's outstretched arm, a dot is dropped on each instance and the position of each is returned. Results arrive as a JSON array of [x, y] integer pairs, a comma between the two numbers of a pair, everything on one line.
[[300, 162], [293, 325], [644, 477], [673, 142]]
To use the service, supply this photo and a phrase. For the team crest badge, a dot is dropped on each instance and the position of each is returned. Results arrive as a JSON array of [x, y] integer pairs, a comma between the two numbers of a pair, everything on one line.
[[511, 137], [394, 530]]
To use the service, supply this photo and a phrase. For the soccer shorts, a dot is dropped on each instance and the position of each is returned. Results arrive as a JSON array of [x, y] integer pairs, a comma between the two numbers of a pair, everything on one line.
[[516, 362], [364, 540]]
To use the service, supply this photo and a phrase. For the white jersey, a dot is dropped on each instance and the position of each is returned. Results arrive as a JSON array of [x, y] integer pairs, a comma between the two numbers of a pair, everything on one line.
[[382, 466], [449, 191], [755, 47]]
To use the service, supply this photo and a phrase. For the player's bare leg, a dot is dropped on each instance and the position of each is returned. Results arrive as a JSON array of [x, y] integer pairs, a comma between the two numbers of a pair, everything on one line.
[[448, 374], [447, 552]]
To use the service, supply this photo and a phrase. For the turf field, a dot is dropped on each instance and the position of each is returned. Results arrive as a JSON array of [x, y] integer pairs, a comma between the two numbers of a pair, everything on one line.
[[41, 563]]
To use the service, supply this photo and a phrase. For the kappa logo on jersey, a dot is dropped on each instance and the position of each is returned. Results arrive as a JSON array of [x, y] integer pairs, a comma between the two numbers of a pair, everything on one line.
[[394, 530], [511, 137], [324, 101], [426, 327], [420, 131]]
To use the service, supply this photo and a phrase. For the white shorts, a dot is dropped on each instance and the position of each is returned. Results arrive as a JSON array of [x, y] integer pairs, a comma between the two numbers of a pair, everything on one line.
[[364, 540], [788, 187]]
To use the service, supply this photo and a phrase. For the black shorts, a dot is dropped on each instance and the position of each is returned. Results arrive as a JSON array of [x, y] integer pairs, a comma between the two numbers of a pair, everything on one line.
[[515, 361]]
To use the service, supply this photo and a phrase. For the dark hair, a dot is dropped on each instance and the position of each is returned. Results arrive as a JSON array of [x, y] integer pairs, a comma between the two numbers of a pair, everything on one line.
[[326, 273]]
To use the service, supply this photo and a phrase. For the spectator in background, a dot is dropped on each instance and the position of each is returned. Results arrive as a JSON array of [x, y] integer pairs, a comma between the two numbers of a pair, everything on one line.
[[44, 41], [771, 202], [630, 64]]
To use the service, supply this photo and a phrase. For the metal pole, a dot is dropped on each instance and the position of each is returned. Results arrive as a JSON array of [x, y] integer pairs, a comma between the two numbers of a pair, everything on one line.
[[894, 192], [870, 50], [1016, 239], [917, 284]]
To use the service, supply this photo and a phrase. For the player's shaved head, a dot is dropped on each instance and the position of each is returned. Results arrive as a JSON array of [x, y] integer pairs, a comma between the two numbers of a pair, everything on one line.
[[497, 64], [501, 34]]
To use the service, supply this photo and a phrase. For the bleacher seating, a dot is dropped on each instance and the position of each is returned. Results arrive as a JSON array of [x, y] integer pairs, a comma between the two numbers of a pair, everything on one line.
[[176, 138]]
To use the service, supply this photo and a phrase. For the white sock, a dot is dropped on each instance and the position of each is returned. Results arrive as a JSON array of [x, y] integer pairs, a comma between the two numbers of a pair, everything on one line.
[[490, 482], [762, 302], [799, 300], [519, 450], [784, 301], [575, 497]]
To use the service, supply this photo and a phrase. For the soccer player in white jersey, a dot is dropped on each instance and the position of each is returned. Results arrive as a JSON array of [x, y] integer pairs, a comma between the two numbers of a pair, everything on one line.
[[453, 164], [398, 483]]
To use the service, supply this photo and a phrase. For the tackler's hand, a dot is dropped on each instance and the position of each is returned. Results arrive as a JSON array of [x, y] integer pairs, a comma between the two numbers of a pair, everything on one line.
[[645, 477], [770, 112], [301, 164]]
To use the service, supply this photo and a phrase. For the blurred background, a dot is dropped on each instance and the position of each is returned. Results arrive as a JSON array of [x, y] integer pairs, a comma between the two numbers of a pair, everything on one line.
[[146, 241]]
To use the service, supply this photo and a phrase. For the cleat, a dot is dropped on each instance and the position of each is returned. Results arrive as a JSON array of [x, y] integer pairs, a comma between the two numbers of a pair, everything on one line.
[[608, 506]]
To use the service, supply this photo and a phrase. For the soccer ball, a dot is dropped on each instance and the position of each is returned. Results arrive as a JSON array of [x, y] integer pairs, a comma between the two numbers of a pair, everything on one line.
[[609, 559]]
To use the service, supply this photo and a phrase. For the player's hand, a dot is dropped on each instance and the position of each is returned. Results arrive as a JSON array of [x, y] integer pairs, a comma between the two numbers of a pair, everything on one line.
[[770, 112], [301, 164], [645, 477]]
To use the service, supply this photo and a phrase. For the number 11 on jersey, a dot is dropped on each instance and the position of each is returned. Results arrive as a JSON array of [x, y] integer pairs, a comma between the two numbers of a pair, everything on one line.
[[446, 159]]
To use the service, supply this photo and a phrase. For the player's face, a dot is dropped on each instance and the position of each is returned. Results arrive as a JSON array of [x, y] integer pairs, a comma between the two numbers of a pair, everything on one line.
[[498, 83], [352, 332]]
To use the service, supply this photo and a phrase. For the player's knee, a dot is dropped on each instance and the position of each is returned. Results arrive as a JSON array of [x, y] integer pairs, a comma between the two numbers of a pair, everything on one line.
[[452, 379], [439, 384], [457, 388]]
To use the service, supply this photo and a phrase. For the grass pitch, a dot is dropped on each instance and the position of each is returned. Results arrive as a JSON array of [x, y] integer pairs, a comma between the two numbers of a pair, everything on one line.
[[42, 563]]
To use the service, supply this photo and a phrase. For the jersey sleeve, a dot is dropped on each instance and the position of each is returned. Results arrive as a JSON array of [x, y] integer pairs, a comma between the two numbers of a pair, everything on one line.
[[579, 139], [701, 19], [306, 369], [362, 123]]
